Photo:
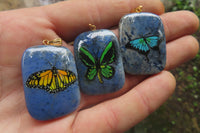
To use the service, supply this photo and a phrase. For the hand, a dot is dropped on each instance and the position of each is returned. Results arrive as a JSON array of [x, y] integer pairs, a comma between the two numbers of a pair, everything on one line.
[[116, 112]]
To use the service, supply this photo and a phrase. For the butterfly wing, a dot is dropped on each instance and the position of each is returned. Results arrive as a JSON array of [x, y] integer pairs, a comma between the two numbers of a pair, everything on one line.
[[91, 73], [51, 82], [108, 56], [39, 79], [107, 71], [62, 80], [89, 61], [152, 41], [138, 44]]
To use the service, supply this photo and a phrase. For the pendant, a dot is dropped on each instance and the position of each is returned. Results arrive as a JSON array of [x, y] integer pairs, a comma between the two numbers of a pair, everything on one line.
[[99, 63], [143, 43], [50, 81]]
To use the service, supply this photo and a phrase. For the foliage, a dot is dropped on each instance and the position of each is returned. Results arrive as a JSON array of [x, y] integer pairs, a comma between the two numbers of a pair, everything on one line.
[[182, 5], [191, 5]]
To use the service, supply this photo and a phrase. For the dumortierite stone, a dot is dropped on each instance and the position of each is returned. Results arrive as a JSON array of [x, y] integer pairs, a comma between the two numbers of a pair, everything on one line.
[[143, 43], [99, 63], [50, 82]]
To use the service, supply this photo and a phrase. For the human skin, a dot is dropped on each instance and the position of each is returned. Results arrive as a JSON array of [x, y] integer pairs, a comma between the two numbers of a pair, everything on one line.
[[109, 113]]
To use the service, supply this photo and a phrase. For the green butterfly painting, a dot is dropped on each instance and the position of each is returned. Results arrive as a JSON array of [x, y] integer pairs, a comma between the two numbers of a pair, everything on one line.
[[99, 66]]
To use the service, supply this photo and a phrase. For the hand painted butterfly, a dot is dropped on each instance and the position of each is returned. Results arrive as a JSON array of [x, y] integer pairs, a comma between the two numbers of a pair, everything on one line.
[[100, 67], [52, 80], [144, 44]]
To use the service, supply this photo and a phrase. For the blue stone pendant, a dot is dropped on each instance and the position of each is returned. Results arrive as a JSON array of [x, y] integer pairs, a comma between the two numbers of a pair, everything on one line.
[[50, 82], [99, 63], [143, 43]]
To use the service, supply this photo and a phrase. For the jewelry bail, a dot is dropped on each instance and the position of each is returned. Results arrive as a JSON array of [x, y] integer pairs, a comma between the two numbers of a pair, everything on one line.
[[137, 9], [92, 27], [55, 42]]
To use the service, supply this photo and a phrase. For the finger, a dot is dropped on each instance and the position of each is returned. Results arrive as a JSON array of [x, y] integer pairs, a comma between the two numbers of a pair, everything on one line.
[[180, 51], [121, 113], [180, 23], [130, 82], [72, 17]]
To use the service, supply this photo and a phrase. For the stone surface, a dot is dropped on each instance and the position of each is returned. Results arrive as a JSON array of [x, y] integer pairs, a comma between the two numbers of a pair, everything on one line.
[[143, 43], [99, 63], [50, 82]]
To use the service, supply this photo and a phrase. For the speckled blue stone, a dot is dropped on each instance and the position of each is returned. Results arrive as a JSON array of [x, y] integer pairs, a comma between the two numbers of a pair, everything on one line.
[[95, 42], [41, 104], [142, 25]]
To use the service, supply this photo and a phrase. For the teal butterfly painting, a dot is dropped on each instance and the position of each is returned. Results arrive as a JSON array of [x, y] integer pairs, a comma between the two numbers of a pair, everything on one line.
[[100, 67], [144, 45]]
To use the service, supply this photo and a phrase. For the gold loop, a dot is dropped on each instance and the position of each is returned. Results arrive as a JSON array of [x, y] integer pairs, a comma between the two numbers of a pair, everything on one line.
[[92, 27], [45, 42], [55, 42], [139, 9], [71, 43]]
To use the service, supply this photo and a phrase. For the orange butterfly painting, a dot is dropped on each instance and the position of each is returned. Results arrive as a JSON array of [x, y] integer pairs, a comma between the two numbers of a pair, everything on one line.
[[52, 80]]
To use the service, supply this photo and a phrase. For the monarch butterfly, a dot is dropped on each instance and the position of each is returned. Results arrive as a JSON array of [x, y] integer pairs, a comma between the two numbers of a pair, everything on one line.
[[100, 67], [52, 80]]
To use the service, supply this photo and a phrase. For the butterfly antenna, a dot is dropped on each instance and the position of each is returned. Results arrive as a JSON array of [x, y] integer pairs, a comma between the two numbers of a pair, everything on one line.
[[97, 54], [55, 60], [147, 35], [128, 36], [49, 62]]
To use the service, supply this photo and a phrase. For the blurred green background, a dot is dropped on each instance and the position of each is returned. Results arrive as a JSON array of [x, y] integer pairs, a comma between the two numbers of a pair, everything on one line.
[[181, 113]]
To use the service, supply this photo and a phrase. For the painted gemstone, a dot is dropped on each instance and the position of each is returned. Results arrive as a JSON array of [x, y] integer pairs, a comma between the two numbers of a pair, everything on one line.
[[50, 82], [143, 43], [99, 63]]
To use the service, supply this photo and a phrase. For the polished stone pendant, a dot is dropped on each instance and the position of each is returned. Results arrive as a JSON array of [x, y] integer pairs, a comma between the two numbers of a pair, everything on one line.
[[50, 82], [143, 43], [99, 63]]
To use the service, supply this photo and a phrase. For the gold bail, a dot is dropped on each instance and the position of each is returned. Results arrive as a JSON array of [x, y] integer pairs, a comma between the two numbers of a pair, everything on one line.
[[138, 9], [55, 42], [92, 27]]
